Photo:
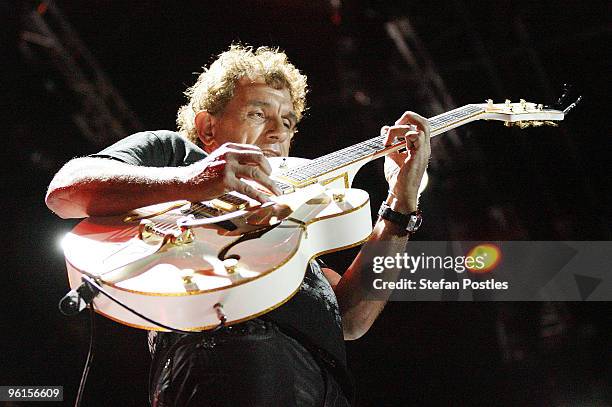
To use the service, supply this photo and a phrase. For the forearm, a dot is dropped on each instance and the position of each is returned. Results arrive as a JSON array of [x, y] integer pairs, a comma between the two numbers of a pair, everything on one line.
[[360, 304], [99, 187]]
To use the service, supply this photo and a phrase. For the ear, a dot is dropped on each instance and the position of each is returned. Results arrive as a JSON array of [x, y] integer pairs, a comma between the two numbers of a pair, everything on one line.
[[205, 126]]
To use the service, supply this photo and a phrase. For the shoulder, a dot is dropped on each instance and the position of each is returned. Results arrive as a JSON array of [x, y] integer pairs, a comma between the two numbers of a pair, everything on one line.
[[163, 136], [178, 150], [159, 148], [166, 139]]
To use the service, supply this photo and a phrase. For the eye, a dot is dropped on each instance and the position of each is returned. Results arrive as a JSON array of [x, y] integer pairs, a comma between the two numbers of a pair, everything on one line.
[[287, 124], [259, 115]]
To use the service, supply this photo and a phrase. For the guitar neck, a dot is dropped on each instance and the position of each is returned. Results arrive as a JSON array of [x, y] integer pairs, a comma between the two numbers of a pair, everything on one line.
[[373, 148]]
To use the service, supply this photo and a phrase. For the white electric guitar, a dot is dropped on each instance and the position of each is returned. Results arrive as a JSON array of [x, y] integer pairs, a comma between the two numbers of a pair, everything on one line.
[[190, 265]]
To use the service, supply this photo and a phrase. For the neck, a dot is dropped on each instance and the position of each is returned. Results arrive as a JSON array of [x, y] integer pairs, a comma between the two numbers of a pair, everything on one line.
[[361, 153]]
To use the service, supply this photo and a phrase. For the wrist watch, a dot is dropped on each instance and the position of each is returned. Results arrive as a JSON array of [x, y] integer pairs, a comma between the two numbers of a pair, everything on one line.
[[410, 222]]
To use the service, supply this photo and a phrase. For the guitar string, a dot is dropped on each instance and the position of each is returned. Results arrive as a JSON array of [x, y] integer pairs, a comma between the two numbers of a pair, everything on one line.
[[329, 161], [368, 147], [168, 223]]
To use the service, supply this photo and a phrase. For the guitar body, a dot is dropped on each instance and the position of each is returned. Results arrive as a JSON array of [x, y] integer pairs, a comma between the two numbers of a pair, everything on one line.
[[179, 284]]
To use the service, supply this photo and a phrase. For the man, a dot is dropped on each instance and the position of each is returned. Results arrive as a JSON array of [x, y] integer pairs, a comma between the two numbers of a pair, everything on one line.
[[243, 108]]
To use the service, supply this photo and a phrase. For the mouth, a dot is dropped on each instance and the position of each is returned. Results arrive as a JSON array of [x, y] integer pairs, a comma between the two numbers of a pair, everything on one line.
[[271, 153]]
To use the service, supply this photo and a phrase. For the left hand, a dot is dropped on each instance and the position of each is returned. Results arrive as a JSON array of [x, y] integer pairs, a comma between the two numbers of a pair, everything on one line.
[[404, 171]]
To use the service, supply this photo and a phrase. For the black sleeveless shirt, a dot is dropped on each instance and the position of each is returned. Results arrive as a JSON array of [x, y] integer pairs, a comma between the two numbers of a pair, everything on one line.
[[311, 316]]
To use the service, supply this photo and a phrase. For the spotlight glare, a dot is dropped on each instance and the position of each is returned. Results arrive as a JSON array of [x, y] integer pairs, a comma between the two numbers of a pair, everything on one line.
[[61, 241]]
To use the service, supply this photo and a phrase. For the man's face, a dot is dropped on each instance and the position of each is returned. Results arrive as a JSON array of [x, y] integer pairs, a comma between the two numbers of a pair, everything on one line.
[[257, 114]]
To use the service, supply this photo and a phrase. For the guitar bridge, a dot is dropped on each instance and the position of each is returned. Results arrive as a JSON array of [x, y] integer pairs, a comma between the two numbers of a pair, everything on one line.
[[148, 231]]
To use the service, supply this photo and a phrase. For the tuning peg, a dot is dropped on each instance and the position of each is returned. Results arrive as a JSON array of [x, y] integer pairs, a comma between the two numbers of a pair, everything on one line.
[[523, 125], [519, 124], [566, 89], [572, 106]]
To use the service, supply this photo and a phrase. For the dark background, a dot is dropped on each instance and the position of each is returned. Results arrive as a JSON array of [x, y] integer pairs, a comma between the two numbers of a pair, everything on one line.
[[487, 182]]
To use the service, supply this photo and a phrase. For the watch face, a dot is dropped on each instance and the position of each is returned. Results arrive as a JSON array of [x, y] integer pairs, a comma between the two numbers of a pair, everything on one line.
[[414, 223]]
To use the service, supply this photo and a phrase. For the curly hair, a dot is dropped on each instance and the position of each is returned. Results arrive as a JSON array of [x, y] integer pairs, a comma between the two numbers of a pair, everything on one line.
[[216, 85]]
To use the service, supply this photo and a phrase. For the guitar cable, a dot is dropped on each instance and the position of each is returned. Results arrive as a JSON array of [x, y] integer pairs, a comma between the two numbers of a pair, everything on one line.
[[90, 281], [95, 289], [90, 355]]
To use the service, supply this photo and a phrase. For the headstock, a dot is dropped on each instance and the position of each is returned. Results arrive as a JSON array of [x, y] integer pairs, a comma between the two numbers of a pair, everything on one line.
[[522, 114]]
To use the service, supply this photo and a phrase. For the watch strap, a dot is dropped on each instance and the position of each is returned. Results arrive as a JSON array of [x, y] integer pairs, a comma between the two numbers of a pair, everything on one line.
[[410, 222]]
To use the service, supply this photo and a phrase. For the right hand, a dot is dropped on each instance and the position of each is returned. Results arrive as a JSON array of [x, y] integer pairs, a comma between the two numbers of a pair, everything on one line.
[[222, 170]]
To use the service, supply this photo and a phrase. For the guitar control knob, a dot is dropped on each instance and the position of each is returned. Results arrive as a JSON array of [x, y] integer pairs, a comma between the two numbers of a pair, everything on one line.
[[188, 282], [230, 265]]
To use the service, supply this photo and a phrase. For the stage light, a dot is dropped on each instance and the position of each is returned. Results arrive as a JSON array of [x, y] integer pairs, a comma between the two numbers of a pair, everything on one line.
[[490, 254], [60, 240]]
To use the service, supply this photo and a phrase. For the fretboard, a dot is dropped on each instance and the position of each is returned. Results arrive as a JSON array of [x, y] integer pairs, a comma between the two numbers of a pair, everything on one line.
[[369, 148]]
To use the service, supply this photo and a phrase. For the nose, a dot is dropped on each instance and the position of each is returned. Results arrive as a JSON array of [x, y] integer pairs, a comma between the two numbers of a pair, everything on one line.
[[276, 131], [275, 138]]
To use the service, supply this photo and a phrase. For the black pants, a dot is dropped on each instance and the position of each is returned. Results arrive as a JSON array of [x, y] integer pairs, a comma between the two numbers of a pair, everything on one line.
[[250, 364]]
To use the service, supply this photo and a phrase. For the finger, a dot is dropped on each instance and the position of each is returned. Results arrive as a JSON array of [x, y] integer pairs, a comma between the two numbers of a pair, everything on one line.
[[244, 188], [384, 130], [423, 140], [397, 133], [411, 145], [413, 136], [239, 146], [422, 150], [252, 157], [255, 174], [413, 140], [416, 119], [409, 137]]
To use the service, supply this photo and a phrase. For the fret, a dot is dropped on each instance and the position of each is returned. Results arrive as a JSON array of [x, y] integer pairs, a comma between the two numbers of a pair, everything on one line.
[[367, 148], [447, 118], [283, 187]]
